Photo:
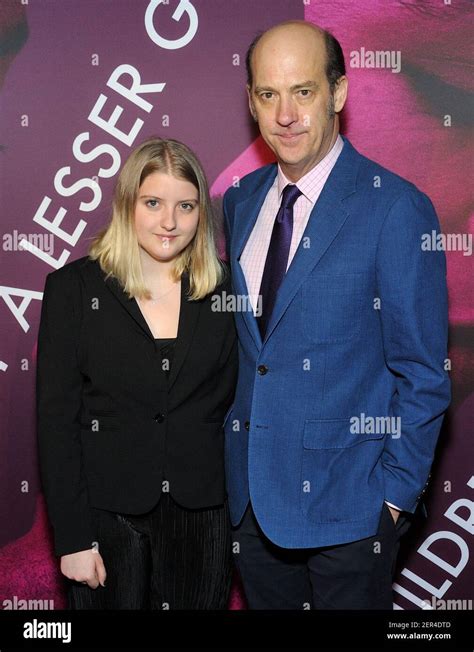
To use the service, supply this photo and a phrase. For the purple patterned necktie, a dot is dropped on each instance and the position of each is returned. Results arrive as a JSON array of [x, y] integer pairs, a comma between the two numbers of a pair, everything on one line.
[[277, 256]]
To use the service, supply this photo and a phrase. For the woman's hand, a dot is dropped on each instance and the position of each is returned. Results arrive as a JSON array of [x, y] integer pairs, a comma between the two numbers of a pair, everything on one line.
[[85, 566]]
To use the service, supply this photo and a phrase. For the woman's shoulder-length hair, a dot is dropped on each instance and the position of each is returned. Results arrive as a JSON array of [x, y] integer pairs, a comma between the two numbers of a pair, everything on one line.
[[116, 247]]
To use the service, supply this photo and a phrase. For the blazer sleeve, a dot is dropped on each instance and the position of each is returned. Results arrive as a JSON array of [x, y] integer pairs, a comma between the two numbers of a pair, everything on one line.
[[227, 225], [414, 319], [58, 403], [229, 360]]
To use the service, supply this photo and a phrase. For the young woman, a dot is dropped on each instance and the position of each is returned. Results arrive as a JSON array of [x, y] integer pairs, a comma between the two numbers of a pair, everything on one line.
[[136, 372]]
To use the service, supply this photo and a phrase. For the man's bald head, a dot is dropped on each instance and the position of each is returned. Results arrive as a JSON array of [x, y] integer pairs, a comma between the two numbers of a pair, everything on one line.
[[297, 90], [335, 66]]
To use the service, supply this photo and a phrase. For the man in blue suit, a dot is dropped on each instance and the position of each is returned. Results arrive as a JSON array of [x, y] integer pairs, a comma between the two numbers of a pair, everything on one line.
[[342, 387]]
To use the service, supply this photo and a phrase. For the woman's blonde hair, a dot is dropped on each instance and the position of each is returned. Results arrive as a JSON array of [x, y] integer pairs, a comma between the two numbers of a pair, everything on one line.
[[116, 247]]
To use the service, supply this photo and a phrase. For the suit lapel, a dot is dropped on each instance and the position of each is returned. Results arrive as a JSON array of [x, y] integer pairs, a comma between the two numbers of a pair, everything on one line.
[[130, 305], [188, 316], [246, 214], [326, 220]]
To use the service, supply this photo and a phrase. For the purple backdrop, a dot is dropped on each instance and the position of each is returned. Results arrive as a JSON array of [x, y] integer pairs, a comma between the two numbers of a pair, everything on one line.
[[410, 109]]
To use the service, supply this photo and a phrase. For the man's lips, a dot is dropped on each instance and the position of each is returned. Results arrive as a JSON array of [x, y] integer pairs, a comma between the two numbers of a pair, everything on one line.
[[290, 136]]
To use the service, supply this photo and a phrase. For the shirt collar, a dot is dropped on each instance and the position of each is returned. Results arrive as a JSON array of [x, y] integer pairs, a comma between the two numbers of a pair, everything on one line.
[[311, 183]]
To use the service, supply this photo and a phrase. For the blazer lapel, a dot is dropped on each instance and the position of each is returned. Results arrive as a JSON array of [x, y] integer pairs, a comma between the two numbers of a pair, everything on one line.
[[246, 213], [326, 220], [188, 317], [130, 305]]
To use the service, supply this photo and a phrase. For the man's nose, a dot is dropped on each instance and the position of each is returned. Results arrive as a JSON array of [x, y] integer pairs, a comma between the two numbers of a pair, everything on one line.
[[286, 112]]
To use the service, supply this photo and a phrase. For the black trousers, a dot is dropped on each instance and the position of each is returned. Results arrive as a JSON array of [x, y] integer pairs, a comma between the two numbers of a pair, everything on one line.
[[356, 575], [168, 558]]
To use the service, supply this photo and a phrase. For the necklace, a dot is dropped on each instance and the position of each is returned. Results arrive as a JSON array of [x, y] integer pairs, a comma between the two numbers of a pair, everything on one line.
[[155, 299]]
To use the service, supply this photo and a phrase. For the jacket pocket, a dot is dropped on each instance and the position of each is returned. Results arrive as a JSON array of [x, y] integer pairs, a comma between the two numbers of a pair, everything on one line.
[[227, 415], [332, 307], [341, 471], [333, 433]]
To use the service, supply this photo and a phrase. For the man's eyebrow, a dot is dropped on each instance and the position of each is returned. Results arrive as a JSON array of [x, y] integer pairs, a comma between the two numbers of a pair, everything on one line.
[[309, 83], [264, 89], [268, 89]]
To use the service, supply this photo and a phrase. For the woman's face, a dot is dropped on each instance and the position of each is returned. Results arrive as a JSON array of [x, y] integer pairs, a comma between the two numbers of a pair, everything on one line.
[[166, 215]]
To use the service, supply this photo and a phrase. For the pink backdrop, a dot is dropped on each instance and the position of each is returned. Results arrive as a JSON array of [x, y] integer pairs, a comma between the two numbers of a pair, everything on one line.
[[412, 113]]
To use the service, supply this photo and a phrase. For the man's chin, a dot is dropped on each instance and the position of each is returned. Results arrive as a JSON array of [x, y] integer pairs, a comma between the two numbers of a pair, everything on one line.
[[291, 159], [294, 164]]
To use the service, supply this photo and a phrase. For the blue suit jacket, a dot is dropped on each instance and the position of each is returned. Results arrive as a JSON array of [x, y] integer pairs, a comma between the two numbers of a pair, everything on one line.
[[359, 331]]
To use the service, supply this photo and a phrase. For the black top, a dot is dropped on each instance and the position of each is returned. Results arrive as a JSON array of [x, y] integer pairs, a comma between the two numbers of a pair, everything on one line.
[[167, 346], [111, 423]]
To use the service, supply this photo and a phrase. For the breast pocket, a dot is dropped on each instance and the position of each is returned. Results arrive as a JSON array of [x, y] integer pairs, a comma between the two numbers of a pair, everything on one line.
[[332, 307]]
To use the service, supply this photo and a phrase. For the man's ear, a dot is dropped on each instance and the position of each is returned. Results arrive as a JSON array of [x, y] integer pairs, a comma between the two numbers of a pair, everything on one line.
[[340, 93], [251, 104]]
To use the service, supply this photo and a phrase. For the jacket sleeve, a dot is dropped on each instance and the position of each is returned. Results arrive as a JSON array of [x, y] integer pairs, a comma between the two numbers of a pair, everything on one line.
[[229, 362], [411, 285], [227, 225], [58, 403]]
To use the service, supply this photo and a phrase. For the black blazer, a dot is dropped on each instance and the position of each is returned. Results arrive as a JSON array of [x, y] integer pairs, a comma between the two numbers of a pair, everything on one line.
[[111, 425]]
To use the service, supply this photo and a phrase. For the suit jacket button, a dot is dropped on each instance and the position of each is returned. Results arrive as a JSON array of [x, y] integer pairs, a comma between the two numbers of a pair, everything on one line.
[[159, 417], [262, 369], [247, 425]]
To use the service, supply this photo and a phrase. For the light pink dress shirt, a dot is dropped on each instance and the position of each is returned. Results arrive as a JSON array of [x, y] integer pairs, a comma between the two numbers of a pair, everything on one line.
[[254, 254]]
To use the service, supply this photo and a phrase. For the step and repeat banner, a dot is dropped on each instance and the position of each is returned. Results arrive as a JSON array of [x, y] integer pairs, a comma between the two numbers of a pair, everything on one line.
[[82, 82]]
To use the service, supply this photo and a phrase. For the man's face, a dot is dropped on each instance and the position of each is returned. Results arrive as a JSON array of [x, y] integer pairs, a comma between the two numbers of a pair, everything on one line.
[[291, 100]]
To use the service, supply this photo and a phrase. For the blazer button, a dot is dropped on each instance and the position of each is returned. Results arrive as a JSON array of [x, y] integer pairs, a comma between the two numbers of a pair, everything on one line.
[[247, 425], [159, 417], [423, 491], [262, 369]]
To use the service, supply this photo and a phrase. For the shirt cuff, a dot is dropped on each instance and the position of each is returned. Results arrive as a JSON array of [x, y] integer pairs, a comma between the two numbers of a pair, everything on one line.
[[399, 509]]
